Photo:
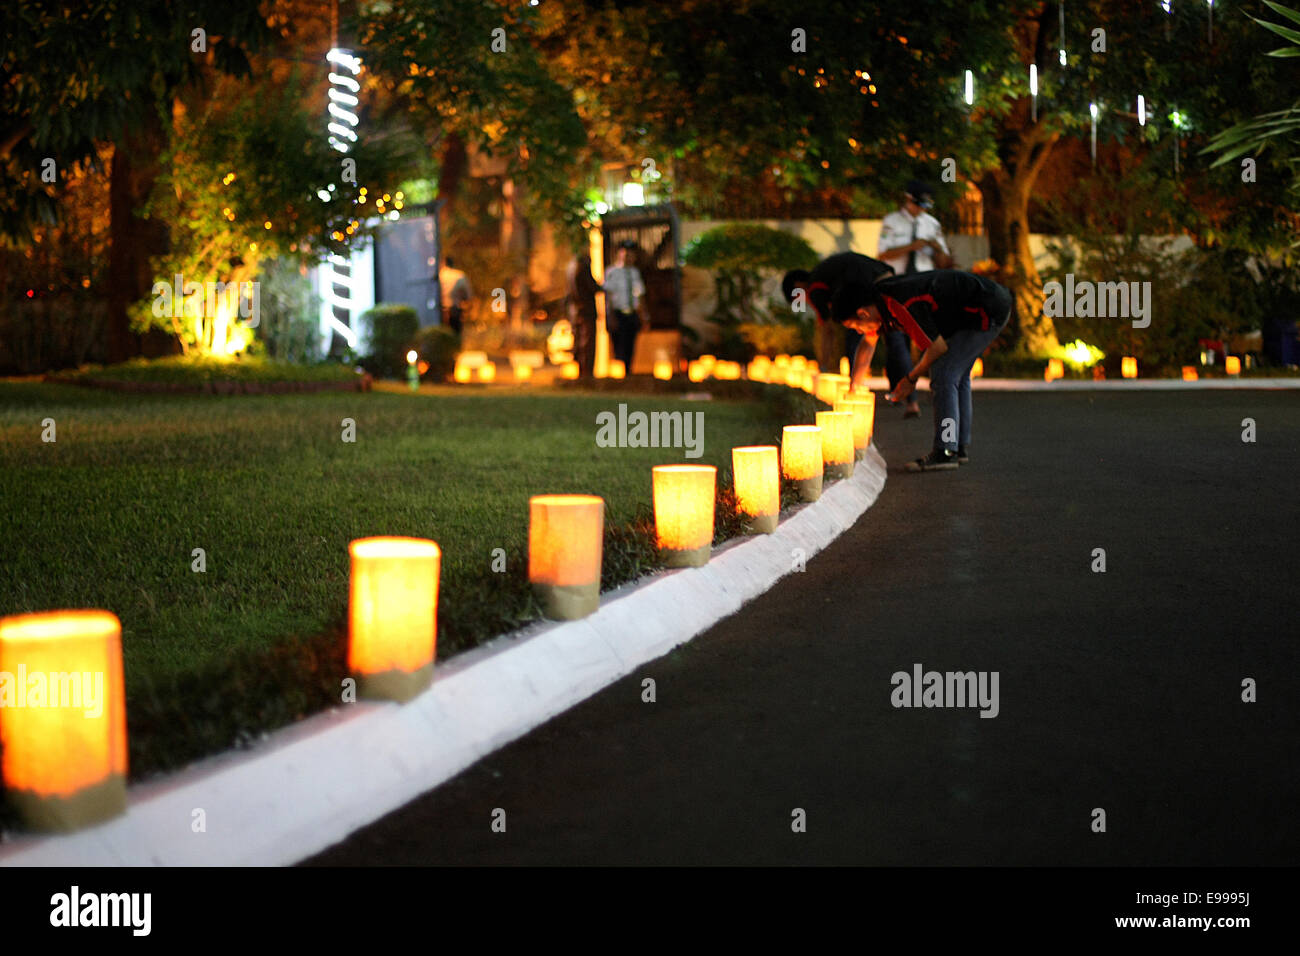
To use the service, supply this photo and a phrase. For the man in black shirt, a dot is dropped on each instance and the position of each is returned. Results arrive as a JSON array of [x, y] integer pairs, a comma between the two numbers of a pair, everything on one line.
[[828, 277], [953, 316]]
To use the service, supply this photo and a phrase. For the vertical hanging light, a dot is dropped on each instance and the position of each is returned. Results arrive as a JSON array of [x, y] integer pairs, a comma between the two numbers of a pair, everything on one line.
[[1033, 92], [337, 273]]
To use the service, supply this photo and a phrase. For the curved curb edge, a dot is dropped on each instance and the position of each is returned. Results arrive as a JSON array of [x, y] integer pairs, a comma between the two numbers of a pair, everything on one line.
[[311, 784]]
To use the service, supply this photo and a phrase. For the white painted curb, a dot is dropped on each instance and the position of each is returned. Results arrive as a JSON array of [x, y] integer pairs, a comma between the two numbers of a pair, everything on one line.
[[310, 785]]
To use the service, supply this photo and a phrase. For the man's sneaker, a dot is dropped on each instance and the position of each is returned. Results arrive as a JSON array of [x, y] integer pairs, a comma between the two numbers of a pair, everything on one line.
[[935, 461], [963, 457]]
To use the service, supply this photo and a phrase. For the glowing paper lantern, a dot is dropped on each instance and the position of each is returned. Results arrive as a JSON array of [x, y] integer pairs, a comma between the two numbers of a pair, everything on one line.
[[697, 371], [472, 359], [63, 717], [566, 535], [828, 386], [1129, 367], [801, 459], [488, 372], [570, 371], [777, 374], [758, 371], [837, 443], [798, 362], [708, 361], [862, 412], [1055, 369], [756, 470], [809, 380], [782, 360], [393, 615], [727, 371], [844, 365], [683, 501], [1232, 365], [523, 373], [617, 369], [1189, 373], [663, 369], [463, 373], [977, 370]]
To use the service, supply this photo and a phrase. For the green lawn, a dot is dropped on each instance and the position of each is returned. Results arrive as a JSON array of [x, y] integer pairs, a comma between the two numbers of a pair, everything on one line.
[[108, 515]]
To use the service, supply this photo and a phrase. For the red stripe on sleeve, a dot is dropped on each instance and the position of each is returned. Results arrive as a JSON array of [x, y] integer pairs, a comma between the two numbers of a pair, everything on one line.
[[904, 318]]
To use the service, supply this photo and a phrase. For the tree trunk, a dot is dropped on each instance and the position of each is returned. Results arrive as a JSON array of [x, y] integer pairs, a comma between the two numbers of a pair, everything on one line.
[[1006, 217], [132, 240]]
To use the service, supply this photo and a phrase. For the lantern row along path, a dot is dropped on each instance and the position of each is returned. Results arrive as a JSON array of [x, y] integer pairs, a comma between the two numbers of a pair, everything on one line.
[[1119, 690]]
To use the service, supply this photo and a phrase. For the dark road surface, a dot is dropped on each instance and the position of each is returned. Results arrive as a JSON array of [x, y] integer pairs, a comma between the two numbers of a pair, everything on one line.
[[1118, 690]]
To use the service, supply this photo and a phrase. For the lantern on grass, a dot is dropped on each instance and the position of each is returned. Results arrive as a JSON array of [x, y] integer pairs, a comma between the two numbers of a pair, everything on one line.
[[809, 380], [756, 471], [861, 412], [798, 362], [758, 371], [801, 459], [663, 369], [63, 717], [837, 443], [523, 373], [487, 372], [778, 374], [570, 371], [1189, 373], [684, 496], [1129, 367], [463, 374], [566, 536], [977, 370], [708, 361], [1232, 365], [697, 371], [1055, 369], [617, 369], [393, 615], [727, 371]]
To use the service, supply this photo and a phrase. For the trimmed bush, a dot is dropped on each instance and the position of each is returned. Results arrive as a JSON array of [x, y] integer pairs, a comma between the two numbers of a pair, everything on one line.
[[392, 327], [437, 345]]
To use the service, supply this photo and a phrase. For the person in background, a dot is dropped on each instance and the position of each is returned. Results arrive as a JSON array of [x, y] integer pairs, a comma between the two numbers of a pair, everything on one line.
[[624, 291], [911, 241], [456, 292], [953, 317], [582, 297]]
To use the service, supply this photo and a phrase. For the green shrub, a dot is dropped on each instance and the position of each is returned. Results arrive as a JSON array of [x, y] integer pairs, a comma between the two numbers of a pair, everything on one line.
[[392, 327], [438, 346]]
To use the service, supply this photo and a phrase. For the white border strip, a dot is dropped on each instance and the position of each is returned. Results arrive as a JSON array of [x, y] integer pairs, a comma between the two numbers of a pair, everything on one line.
[[310, 785]]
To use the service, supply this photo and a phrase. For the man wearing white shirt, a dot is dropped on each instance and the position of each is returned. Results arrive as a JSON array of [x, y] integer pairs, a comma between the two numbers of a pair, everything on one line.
[[911, 241], [624, 290]]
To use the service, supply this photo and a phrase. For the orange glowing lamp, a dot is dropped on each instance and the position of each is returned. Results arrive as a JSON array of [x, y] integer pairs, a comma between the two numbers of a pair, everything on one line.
[[523, 373], [463, 374], [977, 370], [798, 362], [727, 371], [837, 443], [1232, 365], [1189, 373], [393, 615], [1055, 369], [844, 366], [801, 459], [861, 411], [566, 536], [684, 497], [63, 717], [697, 371], [487, 372], [809, 380], [756, 471], [778, 374], [570, 371], [617, 369], [1129, 367], [663, 369]]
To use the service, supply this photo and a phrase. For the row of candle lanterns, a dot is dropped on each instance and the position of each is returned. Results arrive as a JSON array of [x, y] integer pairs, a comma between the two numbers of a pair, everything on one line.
[[64, 766], [1129, 369]]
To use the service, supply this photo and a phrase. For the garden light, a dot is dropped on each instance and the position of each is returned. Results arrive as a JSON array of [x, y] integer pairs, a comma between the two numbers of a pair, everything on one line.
[[862, 412], [1128, 367], [663, 369], [566, 536], [1189, 373], [487, 372], [801, 459], [756, 470], [63, 717], [837, 443], [727, 371], [1055, 369], [393, 615], [683, 506], [617, 369], [570, 371], [977, 370], [1232, 365]]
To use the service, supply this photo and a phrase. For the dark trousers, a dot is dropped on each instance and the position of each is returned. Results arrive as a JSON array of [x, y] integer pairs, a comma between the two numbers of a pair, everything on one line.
[[454, 318], [584, 343], [898, 357], [623, 337]]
